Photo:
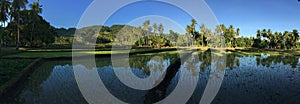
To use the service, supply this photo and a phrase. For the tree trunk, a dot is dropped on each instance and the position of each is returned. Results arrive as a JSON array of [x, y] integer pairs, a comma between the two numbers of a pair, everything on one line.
[[18, 41], [202, 40], [31, 37]]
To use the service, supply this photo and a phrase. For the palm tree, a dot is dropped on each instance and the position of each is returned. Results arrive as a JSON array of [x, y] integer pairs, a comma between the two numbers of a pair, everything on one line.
[[36, 8], [188, 30], [4, 10], [231, 34], [202, 29], [193, 25], [17, 5], [287, 39], [161, 29], [258, 34], [296, 35], [236, 35], [146, 25], [155, 28]]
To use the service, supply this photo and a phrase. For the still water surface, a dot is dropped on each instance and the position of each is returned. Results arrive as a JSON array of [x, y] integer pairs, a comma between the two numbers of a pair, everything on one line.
[[248, 79]]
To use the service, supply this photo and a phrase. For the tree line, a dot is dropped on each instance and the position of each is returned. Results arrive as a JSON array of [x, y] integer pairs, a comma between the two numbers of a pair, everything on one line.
[[153, 35], [265, 39]]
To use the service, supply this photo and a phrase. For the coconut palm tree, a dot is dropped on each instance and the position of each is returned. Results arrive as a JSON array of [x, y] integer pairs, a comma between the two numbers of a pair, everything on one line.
[[161, 29], [237, 34], [155, 27], [193, 31], [36, 8], [146, 27], [258, 34], [4, 10], [188, 30], [17, 6], [202, 29]]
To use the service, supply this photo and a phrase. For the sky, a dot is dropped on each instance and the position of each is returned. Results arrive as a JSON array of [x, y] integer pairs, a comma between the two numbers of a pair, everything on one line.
[[248, 15]]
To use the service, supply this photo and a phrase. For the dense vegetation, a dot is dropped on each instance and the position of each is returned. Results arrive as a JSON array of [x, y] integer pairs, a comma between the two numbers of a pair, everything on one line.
[[264, 39], [22, 27]]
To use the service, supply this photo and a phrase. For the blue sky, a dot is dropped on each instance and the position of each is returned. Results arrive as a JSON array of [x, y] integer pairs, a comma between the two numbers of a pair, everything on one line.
[[248, 15]]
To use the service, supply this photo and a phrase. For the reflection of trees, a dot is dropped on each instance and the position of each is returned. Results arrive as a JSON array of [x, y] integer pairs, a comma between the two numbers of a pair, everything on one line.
[[191, 64], [231, 60], [286, 60], [160, 91], [205, 58], [140, 61]]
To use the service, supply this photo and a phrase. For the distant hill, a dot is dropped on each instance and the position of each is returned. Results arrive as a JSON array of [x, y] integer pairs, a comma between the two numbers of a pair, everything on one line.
[[65, 32]]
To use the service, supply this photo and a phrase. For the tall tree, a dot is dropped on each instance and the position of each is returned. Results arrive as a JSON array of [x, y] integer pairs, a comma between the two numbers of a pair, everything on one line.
[[36, 9], [146, 25], [188, 31], [17, 6], [161, 29], [231, 35], [236, 36], [4, 12], [202, 30], [155, 27], [287, 40], [258, 34], [193, 30]]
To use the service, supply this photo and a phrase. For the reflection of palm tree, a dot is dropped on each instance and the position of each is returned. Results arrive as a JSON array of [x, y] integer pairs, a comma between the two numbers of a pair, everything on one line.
[[231, 60], [286, 60], [159, 92], [205, 58]]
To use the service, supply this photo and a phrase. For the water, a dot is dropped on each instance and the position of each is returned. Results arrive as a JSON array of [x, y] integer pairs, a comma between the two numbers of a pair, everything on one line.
[[248, 79]]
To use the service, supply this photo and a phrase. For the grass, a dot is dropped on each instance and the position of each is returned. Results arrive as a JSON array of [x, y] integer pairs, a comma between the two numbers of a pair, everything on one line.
[[11, 67], [8, 51], [55, 53]]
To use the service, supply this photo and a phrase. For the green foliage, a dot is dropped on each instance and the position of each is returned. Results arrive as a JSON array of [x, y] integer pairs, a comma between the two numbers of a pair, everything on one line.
[[277, 40], [154, 41], [26, 27], [63, 40]]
